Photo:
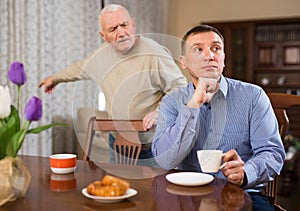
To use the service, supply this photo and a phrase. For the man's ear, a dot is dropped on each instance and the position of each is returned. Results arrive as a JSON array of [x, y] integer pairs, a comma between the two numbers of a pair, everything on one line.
[[133, 22], [102, 35], [182, 62]]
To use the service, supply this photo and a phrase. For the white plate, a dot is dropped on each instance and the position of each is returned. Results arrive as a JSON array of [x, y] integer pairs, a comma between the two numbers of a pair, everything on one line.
[[189, 178], [104, 199]]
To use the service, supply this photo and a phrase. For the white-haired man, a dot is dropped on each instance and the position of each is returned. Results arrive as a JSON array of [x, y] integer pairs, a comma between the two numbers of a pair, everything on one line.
[[133, 72]]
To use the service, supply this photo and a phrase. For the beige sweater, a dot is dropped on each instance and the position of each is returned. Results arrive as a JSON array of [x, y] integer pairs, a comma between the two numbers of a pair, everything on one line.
[[133, 84]]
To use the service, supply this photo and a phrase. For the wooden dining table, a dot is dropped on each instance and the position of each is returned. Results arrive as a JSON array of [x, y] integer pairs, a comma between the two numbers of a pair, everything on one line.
[[49, 191]]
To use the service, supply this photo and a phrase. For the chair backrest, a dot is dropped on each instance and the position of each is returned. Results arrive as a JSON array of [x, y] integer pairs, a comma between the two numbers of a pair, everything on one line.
[[280, 103], [127, 146], [127, 152]]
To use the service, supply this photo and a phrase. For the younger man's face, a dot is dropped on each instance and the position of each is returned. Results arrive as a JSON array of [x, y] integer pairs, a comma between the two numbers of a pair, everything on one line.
[[204, 55]]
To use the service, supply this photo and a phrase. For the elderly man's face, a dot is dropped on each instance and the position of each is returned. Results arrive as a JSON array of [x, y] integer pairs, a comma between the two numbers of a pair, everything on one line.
[[118, 29], [204, 55]]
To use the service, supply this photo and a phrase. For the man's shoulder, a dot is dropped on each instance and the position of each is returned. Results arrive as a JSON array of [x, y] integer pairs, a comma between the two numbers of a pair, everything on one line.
[[180, 94], [149, 45], [148, 41], [238, 89], [242, 85]]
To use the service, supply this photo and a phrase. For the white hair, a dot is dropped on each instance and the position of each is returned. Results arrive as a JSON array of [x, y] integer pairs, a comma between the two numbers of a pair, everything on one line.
[[110, 8]]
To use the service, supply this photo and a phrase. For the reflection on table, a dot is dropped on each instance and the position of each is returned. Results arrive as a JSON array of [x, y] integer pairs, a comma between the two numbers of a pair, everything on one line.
[[48, 191], [217, 195]]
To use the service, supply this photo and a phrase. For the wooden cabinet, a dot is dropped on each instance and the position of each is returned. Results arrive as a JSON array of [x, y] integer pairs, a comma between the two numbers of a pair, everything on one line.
[[267, 53], [277, 55], [277, 66]]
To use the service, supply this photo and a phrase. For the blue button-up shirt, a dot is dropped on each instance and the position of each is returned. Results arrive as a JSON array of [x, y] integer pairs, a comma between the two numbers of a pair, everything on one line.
[[238, 117]]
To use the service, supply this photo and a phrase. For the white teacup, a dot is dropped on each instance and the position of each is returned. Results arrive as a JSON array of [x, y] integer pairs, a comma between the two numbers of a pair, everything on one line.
[[210, 160]]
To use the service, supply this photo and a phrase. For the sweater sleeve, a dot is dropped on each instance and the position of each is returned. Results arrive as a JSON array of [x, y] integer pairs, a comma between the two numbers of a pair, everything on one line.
[[73, 72]]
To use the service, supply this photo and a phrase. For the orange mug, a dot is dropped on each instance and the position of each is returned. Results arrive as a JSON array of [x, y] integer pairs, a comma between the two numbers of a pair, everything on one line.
[[63, 163]]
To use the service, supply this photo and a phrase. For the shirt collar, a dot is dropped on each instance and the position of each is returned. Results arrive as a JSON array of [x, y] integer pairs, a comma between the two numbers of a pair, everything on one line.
[[223, 86]]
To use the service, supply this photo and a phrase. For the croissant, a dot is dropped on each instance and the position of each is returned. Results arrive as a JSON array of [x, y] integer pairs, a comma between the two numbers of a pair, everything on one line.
[[108, 186]]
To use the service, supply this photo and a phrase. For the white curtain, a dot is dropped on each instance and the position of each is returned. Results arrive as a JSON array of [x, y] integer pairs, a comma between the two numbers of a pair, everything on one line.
[[48, 35]]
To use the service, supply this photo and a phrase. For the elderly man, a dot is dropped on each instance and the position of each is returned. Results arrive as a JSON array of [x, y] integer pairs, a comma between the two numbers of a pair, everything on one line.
[[133, 72]]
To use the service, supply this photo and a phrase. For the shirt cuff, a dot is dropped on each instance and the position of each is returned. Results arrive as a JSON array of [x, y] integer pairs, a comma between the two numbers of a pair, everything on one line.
[[250, 171]]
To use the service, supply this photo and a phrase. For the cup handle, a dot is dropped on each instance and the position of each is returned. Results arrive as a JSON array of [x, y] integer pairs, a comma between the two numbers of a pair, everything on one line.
[[224, 164]]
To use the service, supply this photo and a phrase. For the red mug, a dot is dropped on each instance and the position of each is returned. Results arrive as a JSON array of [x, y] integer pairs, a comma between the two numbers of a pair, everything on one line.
[[63, 163]]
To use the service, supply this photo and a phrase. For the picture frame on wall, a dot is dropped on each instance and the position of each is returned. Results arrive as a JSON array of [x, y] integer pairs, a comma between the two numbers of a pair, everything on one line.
[[266, 56], [291, 55]]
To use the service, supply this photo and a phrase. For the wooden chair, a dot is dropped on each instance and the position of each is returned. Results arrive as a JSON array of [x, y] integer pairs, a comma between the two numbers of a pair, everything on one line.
[[127, 146], [280, 102]]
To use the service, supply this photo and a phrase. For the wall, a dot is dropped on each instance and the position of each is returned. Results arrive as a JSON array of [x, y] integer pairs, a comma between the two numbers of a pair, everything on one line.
[[183, 14]]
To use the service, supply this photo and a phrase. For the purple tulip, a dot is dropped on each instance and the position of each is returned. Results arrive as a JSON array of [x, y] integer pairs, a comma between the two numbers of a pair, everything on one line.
[[33, 109], [16, 73]]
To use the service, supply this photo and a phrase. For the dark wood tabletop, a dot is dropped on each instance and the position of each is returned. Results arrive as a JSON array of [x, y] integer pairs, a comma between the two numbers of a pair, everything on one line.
[[48, 191]]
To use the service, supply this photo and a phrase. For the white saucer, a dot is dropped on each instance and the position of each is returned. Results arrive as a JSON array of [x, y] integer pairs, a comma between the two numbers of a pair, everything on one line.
[[189, 178], [104, 199], [63, 170]]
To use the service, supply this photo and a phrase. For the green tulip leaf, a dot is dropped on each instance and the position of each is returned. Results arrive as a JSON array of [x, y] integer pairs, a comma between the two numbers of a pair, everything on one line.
[[12, 121], [9, 127], [15, 143], [45, 127]]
